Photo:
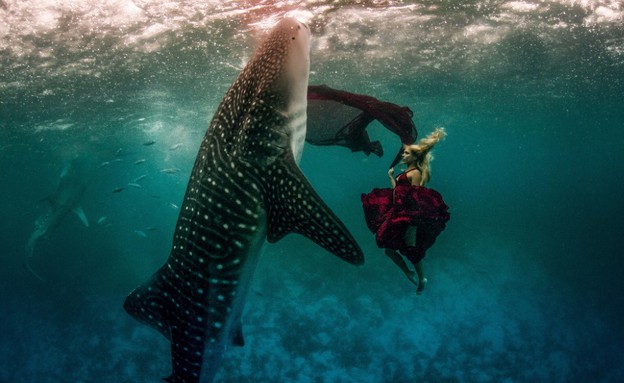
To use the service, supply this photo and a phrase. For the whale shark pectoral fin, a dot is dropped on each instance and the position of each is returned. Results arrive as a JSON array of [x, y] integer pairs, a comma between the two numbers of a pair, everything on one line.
[[294, 206], [81, 214]]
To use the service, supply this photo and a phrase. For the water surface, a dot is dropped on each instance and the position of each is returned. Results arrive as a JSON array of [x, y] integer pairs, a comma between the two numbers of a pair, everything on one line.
[[525, 284]]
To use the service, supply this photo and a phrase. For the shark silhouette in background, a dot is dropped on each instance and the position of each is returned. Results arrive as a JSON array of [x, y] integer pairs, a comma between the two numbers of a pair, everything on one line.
[[65, 200], [245, 188]]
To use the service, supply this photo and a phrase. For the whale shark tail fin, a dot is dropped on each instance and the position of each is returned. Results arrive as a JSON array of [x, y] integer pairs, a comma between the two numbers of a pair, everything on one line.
[[148, 305]]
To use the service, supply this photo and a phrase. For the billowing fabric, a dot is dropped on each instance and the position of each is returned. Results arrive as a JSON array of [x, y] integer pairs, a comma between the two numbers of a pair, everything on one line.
[[337, 117], [389, 213]]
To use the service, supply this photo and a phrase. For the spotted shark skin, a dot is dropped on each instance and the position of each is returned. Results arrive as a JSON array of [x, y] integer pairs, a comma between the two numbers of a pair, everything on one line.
[[245, 188]]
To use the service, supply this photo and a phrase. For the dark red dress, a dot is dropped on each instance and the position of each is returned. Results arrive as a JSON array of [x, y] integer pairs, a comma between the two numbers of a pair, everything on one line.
[[413, 206]]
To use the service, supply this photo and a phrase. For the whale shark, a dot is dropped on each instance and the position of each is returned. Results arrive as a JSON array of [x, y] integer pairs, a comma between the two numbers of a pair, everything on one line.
[[245, 189], [65, 200]]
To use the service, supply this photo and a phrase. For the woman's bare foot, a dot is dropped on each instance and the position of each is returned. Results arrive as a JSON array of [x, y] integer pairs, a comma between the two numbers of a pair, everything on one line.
[[413, 277], [421, 286]]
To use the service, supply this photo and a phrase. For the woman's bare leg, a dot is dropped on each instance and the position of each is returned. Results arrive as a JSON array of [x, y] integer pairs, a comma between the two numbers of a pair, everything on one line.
[[410, 236], [422, 281], [399, 261], [410, 241]]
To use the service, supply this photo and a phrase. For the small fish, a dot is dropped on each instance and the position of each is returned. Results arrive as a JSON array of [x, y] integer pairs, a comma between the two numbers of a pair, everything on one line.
[[170, 170], [149, 143], [151, 228], [175, 146], [140, 233], [104, 164], [101, 220], [174, 206], [140, 178], [135, 185], [117, 190], [233, 206], [139, 161]]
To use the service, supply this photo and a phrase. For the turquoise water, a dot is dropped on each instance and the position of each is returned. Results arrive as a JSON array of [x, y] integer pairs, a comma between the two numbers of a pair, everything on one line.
[[525, 284]]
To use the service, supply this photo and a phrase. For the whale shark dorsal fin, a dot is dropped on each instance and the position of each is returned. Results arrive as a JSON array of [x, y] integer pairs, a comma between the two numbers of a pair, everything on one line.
[[294, 206], [81, 214]]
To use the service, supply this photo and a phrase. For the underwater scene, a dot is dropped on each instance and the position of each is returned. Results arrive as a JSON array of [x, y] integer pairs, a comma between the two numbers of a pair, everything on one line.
[[104, 106]]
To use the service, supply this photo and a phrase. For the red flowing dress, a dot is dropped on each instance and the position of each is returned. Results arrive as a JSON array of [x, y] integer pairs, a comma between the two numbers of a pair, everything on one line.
[[389, 213]]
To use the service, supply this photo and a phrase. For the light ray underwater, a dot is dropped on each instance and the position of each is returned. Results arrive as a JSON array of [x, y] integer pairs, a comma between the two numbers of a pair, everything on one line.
[[182, 191]]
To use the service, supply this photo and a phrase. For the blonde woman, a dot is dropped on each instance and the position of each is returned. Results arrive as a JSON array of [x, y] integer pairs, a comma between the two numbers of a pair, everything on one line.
[[408, 217]]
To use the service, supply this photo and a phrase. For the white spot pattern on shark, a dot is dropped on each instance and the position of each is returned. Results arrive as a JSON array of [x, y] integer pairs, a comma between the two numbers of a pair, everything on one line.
[[245, 188]]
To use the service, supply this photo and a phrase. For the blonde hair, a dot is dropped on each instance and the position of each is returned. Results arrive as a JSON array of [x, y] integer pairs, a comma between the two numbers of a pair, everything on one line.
[[422, 152]]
